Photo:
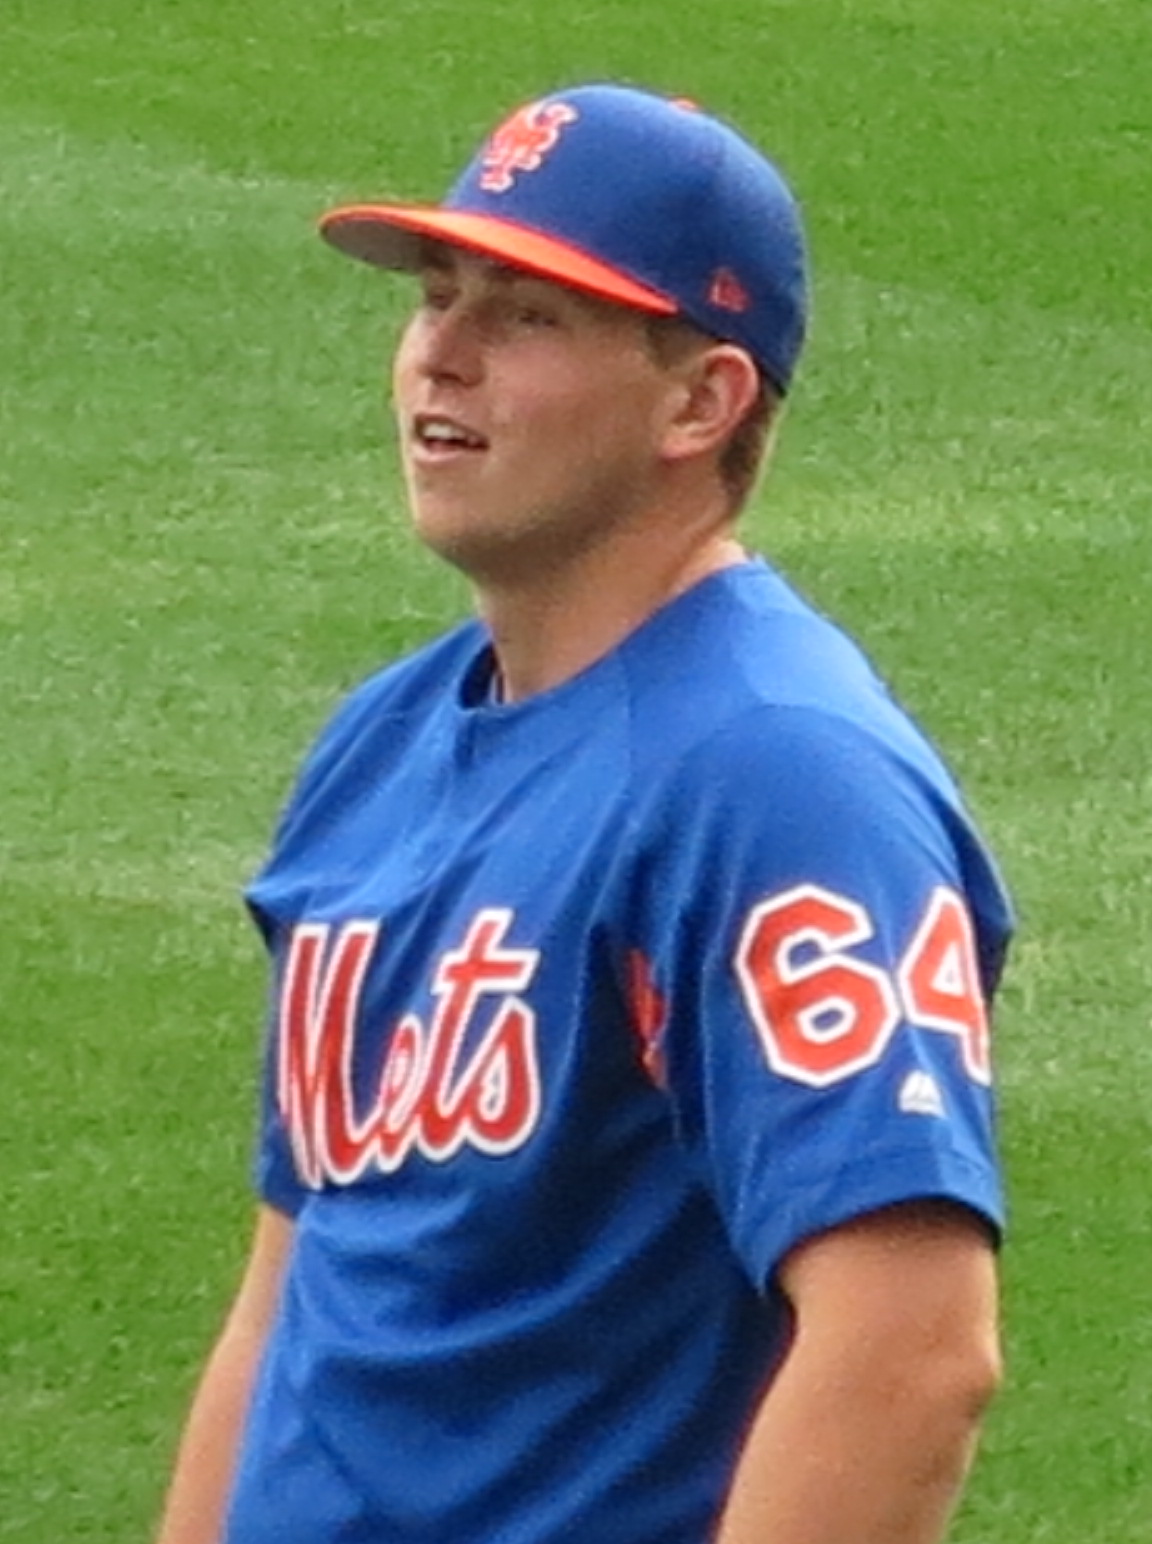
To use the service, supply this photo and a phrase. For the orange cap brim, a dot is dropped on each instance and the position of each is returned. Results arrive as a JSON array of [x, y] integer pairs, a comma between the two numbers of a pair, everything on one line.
[[389, 236]]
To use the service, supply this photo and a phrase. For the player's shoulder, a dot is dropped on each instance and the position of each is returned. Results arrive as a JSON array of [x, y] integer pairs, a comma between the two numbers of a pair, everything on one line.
[[378, 719], [406, 684], [762, 732], [743, 675], [404, 687]]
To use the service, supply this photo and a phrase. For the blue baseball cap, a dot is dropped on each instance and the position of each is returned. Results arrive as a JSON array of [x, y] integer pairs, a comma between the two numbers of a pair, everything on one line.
[[633, 197]]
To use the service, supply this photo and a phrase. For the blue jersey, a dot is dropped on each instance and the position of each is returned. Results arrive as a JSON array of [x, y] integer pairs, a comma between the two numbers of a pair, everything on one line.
[[586, 1011]]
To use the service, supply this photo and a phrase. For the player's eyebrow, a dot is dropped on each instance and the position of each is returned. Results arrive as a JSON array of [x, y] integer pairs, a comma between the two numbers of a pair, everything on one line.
[[446, 261], [442, 257]]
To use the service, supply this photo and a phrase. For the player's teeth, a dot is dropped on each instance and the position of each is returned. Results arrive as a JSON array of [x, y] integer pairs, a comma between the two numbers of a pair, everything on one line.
[[448, 434]]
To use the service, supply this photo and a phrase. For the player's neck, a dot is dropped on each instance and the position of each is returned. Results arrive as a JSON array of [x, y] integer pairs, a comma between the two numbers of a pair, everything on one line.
[[549, 631]]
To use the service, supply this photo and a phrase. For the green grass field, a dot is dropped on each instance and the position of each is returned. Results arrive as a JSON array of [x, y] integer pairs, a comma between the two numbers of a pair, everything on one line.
[[203, 544]]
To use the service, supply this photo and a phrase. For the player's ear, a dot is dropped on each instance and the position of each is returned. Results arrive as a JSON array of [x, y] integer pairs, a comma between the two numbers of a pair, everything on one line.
[[715, 388]]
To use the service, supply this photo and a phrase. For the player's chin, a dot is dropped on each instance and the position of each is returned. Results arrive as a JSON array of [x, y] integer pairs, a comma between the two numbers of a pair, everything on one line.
[[458, 538], [444, 525], [490, 555]]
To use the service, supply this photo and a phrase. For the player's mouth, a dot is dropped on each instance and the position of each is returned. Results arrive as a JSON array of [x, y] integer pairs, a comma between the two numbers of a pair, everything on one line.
[[436, 438]]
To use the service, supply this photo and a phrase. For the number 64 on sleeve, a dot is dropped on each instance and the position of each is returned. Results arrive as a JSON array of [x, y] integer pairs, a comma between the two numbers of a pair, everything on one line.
[[823, 1013]]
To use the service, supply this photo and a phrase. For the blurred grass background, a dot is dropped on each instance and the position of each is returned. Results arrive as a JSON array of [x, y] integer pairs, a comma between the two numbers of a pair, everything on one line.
[[203, 543]]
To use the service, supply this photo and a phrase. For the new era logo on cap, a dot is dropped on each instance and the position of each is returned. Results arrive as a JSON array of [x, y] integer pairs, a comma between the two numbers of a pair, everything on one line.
[[726, 292]]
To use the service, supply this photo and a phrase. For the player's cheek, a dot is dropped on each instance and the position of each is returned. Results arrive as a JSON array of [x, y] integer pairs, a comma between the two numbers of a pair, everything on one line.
[[405, 361]]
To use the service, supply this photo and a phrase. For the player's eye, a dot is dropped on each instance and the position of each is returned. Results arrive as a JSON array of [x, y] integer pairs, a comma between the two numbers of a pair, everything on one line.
[[436, 290], [531, 314]]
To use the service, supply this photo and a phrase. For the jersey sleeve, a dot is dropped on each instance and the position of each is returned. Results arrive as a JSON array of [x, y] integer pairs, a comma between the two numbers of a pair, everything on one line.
[[274, 1176], [826, 933]]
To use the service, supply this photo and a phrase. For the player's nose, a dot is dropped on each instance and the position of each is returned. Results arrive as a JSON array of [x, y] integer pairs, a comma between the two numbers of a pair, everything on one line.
[[449, 346]]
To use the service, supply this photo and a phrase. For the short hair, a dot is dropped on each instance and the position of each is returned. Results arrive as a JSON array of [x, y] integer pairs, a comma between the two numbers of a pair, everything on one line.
[[743, 457]]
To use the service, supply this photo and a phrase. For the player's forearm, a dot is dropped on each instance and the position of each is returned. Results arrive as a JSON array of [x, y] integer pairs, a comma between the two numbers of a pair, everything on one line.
[[202, 1478], [831, 1458]]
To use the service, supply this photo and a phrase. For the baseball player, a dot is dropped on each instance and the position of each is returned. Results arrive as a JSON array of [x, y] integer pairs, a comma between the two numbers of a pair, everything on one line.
[[626, 1165]]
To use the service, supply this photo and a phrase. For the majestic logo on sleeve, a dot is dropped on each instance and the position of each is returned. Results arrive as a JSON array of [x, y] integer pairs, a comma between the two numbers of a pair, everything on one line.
[[521, 144], [466, 1078]]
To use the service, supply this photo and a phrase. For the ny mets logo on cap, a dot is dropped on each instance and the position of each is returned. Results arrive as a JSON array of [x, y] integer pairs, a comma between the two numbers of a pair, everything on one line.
[[521, 143]]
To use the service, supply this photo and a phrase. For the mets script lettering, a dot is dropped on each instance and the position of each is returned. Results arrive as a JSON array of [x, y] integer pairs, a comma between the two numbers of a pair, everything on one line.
[[435, 1095]]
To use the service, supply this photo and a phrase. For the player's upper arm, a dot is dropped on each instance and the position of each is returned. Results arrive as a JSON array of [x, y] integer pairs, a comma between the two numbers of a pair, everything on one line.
[[869, 1425], [907, 1293]]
